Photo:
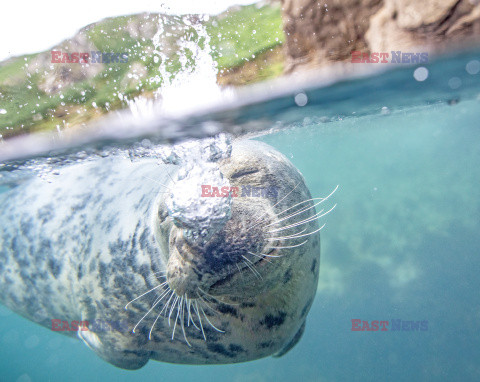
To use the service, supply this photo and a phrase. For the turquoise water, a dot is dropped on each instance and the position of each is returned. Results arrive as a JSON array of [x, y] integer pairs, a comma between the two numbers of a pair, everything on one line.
[[403, 242]]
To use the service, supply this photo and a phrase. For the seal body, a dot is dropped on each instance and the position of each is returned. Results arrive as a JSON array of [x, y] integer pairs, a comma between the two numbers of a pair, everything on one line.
[[100, 238]]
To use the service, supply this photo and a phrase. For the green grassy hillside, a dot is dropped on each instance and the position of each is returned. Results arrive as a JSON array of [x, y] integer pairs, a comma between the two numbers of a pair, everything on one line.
[[36, 94]]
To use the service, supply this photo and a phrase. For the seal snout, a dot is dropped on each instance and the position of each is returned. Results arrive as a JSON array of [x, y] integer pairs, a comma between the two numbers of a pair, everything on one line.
[[183, 275], [196, 267]]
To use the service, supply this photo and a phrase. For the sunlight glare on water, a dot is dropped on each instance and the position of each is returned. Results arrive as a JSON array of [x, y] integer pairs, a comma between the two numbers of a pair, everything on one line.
[[194, 85]]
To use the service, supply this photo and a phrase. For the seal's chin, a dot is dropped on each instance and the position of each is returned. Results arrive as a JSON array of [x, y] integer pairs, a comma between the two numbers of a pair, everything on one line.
[[235, 252]]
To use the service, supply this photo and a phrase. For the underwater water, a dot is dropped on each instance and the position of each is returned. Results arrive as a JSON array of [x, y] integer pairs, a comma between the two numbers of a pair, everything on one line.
[[402, 244]]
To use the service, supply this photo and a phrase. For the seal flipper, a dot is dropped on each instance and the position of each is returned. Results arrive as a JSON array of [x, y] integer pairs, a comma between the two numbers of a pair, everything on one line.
[[123, 359], [292, 343]]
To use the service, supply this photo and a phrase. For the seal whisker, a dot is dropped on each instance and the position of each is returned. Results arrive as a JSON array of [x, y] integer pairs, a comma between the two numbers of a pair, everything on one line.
[[305, 221], [161, 297], [188, 311], [151, 290], [156, 181], [272, 255], [174, 303], [165, 307], [239, 270], [156, 319], [259, 219], [200, 319], [296, 236], [207, 304], [316, 218], [170, 176], [199, 296], [304, 208], [260, 257], [249, 267], [252, 268], [153, 325], [204, 298], [216, 297], [146, 314], [290, 246], [213, 326], [176, 318], [191, 315], [157, 192], [182, 320]]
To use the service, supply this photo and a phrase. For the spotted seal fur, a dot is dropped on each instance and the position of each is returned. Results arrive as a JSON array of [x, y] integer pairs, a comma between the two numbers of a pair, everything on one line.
[[99, 243]]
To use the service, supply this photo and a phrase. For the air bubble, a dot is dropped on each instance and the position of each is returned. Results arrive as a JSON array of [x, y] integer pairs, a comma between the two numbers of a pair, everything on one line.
[[420, 74], [454, 83], [301, 99], [473, 67], [32, 342], [24, 378]]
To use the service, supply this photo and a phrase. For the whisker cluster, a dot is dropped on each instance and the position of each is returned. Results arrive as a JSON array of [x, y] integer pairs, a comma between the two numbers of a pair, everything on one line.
[[178, 310], [285, 216]]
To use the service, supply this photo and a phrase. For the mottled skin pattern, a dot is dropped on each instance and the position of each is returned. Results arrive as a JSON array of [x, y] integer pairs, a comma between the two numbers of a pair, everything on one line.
[[84, 245]]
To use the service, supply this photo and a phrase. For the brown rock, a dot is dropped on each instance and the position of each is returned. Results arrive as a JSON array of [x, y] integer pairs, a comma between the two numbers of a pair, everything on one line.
[[321, 32], [432, 24]]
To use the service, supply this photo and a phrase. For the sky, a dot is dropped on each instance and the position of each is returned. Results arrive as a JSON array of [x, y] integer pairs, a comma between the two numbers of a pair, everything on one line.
[[29, 27]]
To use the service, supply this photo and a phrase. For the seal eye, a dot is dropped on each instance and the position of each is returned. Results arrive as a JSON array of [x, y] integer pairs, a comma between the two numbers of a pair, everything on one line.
[[244, 172]]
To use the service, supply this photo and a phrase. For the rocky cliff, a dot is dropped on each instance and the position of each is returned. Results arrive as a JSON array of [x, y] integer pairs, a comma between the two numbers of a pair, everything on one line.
[[321, 32]]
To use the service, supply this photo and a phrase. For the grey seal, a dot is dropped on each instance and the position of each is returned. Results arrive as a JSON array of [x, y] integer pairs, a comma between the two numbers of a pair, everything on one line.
[[102, 242]]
